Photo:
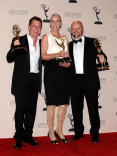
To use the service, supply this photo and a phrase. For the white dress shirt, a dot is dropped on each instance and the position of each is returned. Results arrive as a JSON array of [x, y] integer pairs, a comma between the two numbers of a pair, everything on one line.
[[78, 52], [34, 55]]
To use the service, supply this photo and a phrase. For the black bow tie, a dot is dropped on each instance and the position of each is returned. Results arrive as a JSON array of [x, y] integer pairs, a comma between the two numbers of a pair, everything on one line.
[[76, 41]]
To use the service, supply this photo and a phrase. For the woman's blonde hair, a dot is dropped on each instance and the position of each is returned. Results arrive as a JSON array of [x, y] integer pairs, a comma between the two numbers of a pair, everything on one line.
[[55, 14]]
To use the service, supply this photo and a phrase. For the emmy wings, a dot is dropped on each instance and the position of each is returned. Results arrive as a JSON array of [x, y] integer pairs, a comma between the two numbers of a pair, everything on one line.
[[97, 44], [62, 38]]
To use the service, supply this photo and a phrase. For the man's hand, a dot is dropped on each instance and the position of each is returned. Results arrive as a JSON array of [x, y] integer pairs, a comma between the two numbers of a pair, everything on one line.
[[16, 42], [101, 58]]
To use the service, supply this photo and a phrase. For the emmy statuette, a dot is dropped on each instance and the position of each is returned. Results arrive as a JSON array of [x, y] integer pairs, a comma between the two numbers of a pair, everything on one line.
[[104, 65], [18, 50], [64, 59]]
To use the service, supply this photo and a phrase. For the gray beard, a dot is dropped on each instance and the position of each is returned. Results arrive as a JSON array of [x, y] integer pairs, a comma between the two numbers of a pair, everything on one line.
[[76, 36]]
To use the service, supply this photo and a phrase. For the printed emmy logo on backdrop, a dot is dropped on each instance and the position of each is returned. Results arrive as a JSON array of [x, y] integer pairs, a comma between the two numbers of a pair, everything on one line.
[[42, 125], [12, 103], [116, 115], [71, 122], [103, 80], [45, 12], [72, 1], [115, 16], [115, 58], [14, 117], [72, 14], [114, 99], [101, 38], [99, 107], [102, 122], [97, 13], [18, 12], [69, 30], [44, 96]]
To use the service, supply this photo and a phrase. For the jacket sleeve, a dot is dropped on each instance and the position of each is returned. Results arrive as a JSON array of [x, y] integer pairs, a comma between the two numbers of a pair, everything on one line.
[[10, 57]]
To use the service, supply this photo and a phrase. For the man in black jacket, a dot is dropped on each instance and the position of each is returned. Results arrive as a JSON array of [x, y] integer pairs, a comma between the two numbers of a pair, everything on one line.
[[26, 82], [84, 81]]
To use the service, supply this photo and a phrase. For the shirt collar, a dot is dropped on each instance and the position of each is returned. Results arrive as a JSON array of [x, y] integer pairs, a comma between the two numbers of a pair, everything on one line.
[[31, 40]]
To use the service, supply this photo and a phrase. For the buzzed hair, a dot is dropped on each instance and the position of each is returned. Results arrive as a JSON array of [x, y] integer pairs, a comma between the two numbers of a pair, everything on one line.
[[35, 18]]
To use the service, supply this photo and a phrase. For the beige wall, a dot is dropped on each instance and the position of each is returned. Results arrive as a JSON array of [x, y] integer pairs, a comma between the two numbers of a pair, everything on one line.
[[19, 12]]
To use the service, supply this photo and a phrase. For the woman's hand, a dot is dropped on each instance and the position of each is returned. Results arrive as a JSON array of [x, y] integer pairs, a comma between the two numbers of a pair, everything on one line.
[[62, 53], [66, 65]]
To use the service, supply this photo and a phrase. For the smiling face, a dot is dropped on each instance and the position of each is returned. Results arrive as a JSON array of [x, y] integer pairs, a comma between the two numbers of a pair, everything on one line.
[[77, 30], [34, 29], [55, 23]]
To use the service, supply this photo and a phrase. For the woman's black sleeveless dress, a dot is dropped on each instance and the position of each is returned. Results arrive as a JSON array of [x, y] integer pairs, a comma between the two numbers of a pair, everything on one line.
[[56, 82]]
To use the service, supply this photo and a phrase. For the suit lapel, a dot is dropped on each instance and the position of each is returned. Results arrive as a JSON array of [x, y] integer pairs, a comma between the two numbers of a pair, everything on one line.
[[40, 53], [25, 43], [71, 51], [72, 58], [86, 47]]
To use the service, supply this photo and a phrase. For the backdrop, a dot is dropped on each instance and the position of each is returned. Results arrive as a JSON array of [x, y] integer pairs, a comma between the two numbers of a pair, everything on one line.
[[99, 19]]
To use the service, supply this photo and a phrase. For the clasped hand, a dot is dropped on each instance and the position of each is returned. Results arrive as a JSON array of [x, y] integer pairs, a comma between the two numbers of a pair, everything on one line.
[[101, 58], [62, 53], [65, 64], [16, 42]]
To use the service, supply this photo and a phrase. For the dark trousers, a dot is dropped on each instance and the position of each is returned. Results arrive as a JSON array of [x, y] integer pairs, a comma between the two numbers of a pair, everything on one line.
[[78, 91], [26, 108]]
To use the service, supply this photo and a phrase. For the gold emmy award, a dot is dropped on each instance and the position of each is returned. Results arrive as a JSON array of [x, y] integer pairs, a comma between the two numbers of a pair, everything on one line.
[[104, 65], [18, 50], [65, 59]]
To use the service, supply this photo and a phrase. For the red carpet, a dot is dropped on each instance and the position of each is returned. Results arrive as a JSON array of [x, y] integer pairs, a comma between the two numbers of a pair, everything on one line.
[[83, 147]]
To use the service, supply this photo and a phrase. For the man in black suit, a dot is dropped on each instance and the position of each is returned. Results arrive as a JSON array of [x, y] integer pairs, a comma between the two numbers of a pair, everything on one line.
[[26, 82], [84, 81]]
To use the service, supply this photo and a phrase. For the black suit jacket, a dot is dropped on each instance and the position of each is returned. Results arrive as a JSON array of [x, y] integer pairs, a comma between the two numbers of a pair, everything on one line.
[[22, 68], [89, 64]]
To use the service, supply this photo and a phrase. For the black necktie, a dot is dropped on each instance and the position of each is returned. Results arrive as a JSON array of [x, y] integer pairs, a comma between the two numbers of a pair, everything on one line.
[[76, 41]]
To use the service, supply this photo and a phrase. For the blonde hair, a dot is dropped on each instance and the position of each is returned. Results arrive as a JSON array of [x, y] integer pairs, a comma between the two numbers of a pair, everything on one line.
[[55, 14]]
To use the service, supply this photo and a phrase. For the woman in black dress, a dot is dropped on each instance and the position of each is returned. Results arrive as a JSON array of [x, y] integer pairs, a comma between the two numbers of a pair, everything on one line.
[[56, 79]]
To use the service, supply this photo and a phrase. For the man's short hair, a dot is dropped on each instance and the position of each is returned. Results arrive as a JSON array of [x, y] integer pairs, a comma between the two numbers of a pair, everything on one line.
[[35, 18]]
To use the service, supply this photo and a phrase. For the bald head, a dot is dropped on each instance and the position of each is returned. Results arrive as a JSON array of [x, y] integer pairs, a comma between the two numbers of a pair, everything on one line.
[[77, 29], [77, 22]]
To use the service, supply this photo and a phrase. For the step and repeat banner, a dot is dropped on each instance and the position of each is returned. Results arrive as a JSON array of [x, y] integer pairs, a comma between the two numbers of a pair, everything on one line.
[[99, 19]]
